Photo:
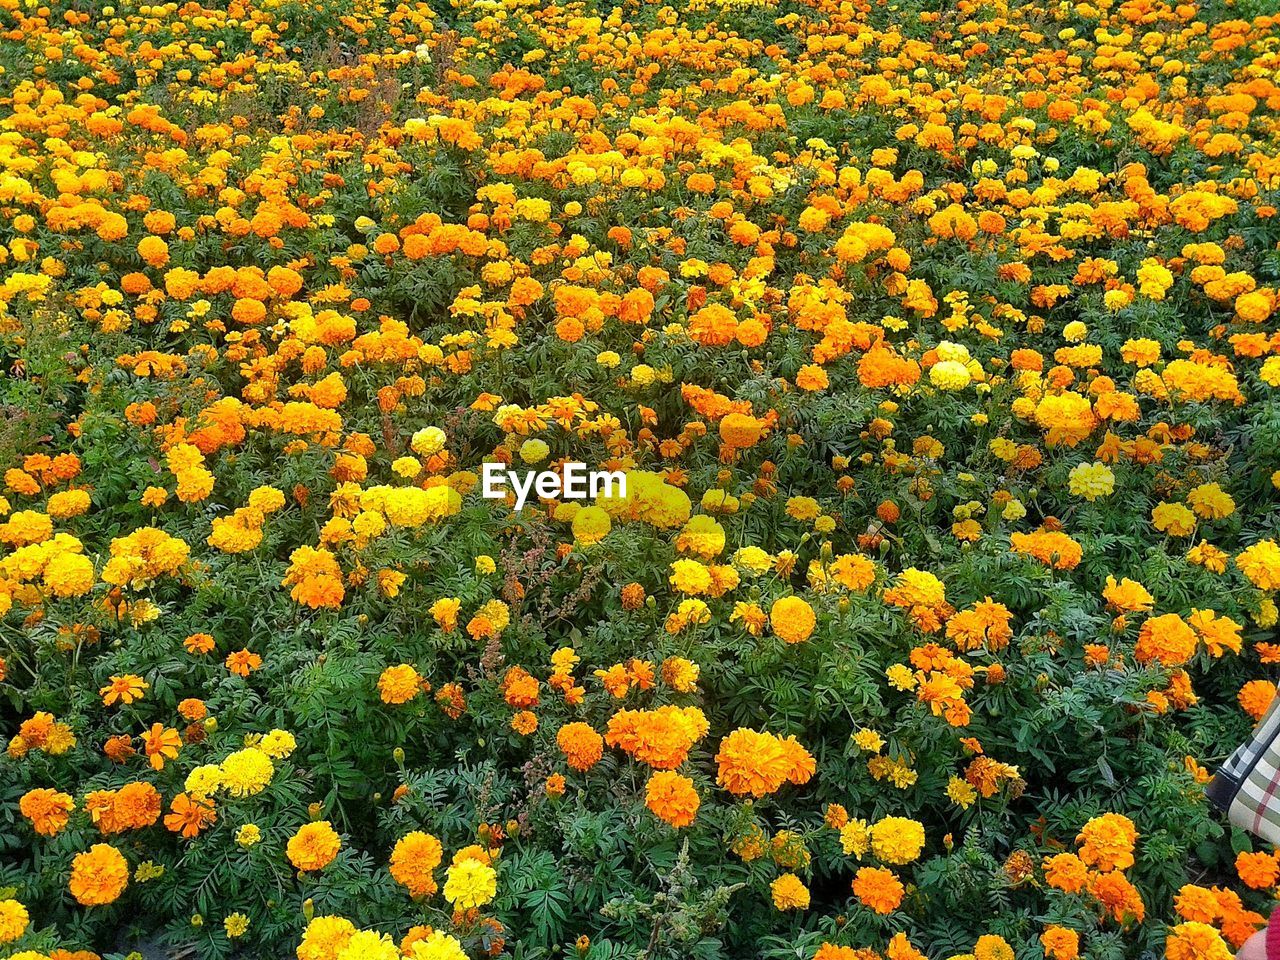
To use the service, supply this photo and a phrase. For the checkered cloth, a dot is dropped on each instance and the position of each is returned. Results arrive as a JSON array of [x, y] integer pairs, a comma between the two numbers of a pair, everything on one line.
[[1247, 788]]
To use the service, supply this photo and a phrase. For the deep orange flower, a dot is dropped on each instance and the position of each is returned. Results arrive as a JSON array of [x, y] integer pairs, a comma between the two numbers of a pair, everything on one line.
[[243, 662], [190, 815], [99, 875], [878, 888], [161, 742], [125, 689]]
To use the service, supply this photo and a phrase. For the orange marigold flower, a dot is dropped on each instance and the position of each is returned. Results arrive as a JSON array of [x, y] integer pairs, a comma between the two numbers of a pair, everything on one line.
[[399, 684], [190, 815], [1165, 638], [1118, 896], [1066, 872], [119, 748], [581, 745], [1051, 547], [1106, 842], [750, 762], [1195, 940], [161, 742], [1258, 871], [661, 738], [672, 798], [125, 689], [413, 861], [1256, 696], [878, 888], [520, 688], [314, 846], [243, 662], [198, 643], [47, 809], [99, 875], [792, 619], [1060, 943]]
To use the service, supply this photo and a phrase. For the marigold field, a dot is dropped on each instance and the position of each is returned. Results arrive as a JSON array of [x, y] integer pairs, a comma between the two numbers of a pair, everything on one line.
[[937, 344]]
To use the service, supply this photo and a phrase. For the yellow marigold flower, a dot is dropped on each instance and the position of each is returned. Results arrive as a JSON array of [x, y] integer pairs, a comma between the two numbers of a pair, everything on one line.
[[690, 576], [399, 684], [13, 920], [245, 772], [992, 947], [428, 441], [753, 560], [1195, 940], [868, 740], [278, 744], [1210, 502], [900, 677], [961, 793], [236, 925], [1260, 563], [855, 838], [1092, 480], [789, 893], [1173, 519], [950, 375], [591, 525], [897, 840], [792, 619], [470, 883], [437, 945]]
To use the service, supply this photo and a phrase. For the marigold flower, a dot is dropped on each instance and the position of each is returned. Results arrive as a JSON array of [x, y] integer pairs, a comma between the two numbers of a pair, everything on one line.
[[47, 809], [1165, 638], [581, 745], [125, 689], [161, 743], [244, 773], [1195, 941], [1065, 871], [313, 846], [413, 861], [470, 883], [897, 840], [672, 798], [99, 875], [13, 920], [399, 684], [1107, 841], [878, 888], [756, 763], [1060, 943], [190, 815], [789, 893]]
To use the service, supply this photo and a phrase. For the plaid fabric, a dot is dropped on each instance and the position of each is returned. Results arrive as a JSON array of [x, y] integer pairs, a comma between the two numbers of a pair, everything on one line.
[[1247, 788]]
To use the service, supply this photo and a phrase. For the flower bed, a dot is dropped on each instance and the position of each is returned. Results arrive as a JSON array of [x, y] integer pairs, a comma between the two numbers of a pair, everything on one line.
[[936, 350]]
